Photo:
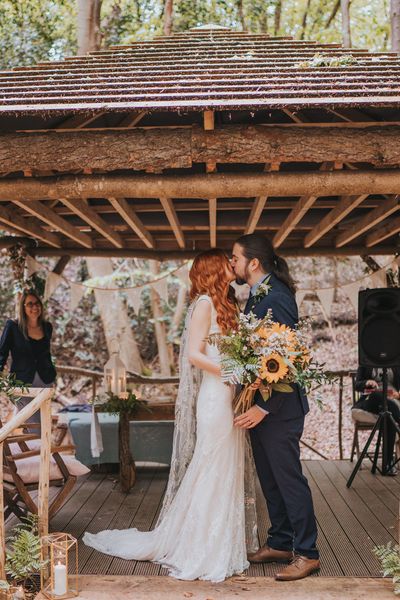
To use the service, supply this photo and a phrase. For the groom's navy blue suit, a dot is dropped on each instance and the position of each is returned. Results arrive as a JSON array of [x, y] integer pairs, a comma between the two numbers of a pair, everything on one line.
[[275, 443]]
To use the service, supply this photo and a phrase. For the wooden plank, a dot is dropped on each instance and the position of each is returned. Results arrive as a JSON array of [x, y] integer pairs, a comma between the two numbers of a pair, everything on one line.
[[383, 232], [344, 207], [46, 214], [78, 121], [14, 220], [294, 217], [86, 486], [212, 212], [357, 535], [380, 525], [89, 215], [132, 120], [375, 216], [172, 217], [130, 217]]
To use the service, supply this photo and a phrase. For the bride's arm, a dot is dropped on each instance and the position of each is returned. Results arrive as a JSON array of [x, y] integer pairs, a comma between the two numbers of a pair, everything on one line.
[[198, 331]]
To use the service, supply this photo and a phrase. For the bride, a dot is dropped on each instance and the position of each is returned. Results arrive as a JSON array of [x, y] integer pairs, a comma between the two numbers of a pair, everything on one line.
[[207, 518]]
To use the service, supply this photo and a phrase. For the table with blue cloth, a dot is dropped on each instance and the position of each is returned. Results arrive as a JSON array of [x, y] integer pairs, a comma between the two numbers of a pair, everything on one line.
[[150, 441]]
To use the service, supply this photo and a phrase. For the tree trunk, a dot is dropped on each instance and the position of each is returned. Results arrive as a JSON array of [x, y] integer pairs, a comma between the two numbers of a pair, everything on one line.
[[346, 32], [114, 317], [395, 24], [89, 35], [277, 16], [333, 13], [168, 16], [304, 22], [159, 326], [241, 15]]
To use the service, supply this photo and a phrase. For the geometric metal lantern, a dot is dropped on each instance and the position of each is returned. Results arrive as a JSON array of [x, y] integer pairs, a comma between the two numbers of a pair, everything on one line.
[[115, 372], [59, 576]]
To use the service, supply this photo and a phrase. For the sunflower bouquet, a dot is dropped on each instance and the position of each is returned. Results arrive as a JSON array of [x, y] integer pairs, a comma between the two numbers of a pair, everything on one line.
[[273, 355]]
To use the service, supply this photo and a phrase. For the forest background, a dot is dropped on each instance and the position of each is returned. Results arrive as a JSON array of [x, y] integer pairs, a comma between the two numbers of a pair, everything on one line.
[[41, 30]]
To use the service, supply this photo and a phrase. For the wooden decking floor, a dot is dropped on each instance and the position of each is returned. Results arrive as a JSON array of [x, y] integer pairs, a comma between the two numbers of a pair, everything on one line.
[[351, 522]]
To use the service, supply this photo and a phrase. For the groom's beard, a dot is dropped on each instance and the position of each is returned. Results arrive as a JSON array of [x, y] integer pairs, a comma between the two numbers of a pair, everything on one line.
[[242, 279]]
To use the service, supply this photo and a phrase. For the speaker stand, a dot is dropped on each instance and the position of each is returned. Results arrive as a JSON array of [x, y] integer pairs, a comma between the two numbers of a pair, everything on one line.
[[381, 426]]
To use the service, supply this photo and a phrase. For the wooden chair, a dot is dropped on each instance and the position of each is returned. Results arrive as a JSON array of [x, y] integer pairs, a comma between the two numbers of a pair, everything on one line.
[[363, 420], [17, 498]]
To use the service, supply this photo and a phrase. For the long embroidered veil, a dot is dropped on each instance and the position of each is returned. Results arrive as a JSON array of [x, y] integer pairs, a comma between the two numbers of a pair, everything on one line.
[[184, 441]]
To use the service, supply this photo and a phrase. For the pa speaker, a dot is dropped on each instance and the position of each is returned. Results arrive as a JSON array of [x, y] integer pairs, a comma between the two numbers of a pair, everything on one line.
[[379, 327]]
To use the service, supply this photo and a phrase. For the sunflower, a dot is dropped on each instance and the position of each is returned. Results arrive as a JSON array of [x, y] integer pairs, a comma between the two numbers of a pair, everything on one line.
[[264, 333], [273, 368]]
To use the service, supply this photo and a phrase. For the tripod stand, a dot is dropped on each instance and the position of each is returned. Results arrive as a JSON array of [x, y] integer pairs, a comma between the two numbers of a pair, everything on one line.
[[381, 426]]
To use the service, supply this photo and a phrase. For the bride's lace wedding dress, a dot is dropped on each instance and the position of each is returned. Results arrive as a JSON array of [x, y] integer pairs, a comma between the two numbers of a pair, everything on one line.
[[201, 530]]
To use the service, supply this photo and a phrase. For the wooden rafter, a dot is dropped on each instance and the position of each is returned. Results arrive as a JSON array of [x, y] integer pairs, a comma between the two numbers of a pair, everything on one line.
[[130, 217], [375, 216], [259, 203], [132, 120], [208, 119], [344, 207], [78, 121], [171, 215], [297, 213], [13, 219], [212, 211], [88, 214], [46, 214], [383, 233]]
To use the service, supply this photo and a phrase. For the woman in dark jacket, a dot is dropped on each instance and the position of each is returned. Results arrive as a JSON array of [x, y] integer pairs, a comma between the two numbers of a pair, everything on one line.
[[369, 383], [28, 341]]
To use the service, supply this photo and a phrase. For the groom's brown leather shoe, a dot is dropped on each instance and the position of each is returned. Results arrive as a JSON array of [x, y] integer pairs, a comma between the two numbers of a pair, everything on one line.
[[300, 567], [267, 554]]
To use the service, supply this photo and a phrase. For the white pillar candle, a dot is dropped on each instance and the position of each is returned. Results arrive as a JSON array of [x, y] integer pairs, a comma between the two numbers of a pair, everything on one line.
[[60, 580]]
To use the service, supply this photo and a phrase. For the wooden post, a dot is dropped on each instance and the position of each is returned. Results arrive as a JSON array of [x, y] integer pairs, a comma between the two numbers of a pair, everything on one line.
[[340, 423], [44, 473], [2, 526], [127, 469]]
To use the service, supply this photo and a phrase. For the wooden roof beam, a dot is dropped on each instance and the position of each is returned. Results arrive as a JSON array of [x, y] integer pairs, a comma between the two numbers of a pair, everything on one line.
[[132, 120], [344, 207], [49, 216], [208, 119], [78, 121], [81, 208], [375, 216], [171, 215], [212, 211], [259, 204], [12, 218], [130, 217], [383, 233]]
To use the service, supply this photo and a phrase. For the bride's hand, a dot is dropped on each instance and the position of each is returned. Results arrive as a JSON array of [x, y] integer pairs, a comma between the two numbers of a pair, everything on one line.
[[256, 385]]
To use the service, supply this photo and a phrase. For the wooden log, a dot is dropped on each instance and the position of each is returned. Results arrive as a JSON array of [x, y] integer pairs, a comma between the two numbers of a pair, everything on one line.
[[44, 473], [160, 148], [127, 468], [23, 415], [205, 185]]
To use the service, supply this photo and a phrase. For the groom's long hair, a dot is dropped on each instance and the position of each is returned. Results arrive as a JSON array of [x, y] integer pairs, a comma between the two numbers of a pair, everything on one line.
[[208, 276], [257, 245]]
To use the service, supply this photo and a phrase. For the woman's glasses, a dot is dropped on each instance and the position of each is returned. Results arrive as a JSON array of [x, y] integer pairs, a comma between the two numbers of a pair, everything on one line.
[[32, 304]]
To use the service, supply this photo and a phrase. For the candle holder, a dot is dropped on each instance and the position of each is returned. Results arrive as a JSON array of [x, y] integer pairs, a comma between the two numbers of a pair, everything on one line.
[[59, 576]]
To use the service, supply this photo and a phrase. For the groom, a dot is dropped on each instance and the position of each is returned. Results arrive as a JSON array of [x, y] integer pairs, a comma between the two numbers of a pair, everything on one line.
[[277, 424]]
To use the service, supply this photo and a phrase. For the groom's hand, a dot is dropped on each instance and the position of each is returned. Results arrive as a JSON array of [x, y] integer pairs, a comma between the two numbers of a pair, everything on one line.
[[250, 418]]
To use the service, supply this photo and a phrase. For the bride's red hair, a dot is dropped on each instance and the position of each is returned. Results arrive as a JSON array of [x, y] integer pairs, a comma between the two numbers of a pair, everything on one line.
[[208, 275]]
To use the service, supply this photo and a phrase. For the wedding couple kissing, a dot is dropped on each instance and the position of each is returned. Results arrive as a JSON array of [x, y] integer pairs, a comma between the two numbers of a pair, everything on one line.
[[207, 528]]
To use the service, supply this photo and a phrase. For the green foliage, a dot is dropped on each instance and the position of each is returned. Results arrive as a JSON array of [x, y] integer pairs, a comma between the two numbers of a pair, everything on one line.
[[115, 405], [389, 556], [9, 384], [23, 559]]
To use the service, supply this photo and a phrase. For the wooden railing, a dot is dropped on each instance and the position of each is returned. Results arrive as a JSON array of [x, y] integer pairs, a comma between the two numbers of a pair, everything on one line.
[[95, 376], [41, 401]]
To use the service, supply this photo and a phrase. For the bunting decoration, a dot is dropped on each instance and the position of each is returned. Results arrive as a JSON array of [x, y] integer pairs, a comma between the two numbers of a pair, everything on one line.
[[160, 286]]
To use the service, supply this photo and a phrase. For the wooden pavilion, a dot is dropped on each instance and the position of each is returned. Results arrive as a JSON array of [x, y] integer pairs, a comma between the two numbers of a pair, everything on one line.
[[165, 147], [162, 148]]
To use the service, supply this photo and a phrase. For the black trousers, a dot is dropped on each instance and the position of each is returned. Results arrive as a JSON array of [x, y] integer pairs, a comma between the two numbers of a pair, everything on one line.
[[276, 452], [374, 403]]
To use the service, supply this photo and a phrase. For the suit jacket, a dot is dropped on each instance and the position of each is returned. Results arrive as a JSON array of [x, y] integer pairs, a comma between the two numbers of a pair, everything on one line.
[[25, 362], [284, 310]]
